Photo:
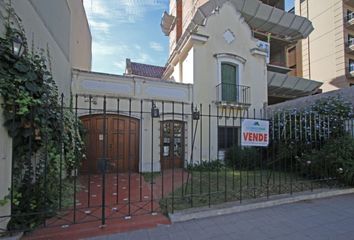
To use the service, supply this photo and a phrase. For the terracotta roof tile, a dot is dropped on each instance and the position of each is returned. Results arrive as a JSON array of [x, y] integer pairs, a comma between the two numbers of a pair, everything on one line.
[[146, 70]]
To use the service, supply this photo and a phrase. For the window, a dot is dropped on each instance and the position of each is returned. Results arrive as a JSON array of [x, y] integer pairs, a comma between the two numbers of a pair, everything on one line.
[[349, 15], [230, 70], [350, 40], [229, 80], [228, 137], [351, 65]]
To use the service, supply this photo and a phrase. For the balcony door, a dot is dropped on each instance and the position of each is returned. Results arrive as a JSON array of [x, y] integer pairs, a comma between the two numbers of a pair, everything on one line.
[[229, 81]]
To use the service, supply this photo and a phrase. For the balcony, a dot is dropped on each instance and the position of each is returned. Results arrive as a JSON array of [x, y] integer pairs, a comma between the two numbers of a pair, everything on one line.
[[349, 20], [350, 46], [350, 71], [233, 95]]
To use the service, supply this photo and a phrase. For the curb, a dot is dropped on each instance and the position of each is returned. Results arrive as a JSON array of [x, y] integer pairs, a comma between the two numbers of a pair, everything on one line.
[[236, 207], [17, 236]]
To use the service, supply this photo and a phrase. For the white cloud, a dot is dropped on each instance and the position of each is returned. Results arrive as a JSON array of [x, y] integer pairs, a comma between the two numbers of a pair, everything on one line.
[[100, 26], [136, 9], [144, 58], [122, 11], [156, 46], [96, 8], [103, 49], [120, 65]]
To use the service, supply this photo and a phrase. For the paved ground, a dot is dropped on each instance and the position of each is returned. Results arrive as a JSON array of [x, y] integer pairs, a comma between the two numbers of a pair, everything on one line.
[[89, 200], [331, 218]]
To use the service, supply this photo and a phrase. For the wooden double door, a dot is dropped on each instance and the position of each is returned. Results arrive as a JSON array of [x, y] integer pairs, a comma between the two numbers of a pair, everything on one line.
[[172, 144], [113, 137]]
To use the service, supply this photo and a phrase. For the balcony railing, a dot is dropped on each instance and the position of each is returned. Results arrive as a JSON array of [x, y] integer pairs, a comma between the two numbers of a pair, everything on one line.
[[233, 94], [351, 68], [350, 46], [350, 19], [350, 71]]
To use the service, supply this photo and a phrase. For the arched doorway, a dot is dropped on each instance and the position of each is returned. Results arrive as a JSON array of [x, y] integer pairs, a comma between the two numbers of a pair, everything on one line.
[[119, 143]]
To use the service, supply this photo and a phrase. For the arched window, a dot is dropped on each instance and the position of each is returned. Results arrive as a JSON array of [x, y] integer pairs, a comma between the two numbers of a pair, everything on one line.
[[230, 71]]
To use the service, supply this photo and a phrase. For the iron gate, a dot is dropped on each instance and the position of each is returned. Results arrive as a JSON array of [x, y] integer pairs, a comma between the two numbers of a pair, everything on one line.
[[127, 162]]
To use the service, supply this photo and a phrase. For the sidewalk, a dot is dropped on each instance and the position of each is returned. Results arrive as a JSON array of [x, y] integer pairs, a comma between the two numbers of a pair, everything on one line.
[[331, 218]]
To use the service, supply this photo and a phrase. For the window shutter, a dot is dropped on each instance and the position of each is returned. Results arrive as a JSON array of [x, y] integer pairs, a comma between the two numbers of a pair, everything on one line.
[[229, 82]]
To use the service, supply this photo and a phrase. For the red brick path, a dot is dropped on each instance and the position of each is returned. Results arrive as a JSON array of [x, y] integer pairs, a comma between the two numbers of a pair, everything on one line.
[[88, 215]]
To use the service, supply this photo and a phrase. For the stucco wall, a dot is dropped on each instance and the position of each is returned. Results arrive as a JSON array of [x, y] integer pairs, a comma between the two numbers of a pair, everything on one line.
[[188, 68], [48, 24], [201, 67], [5, 168], [81, 40], [62, 27], [205, 63], [207, 75]]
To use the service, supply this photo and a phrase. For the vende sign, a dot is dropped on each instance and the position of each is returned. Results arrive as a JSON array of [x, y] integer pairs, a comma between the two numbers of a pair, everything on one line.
[[254, 133]]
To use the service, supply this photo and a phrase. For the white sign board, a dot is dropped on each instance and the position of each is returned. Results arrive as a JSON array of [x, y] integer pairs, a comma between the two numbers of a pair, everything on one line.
[[264, 46], [255, 133]]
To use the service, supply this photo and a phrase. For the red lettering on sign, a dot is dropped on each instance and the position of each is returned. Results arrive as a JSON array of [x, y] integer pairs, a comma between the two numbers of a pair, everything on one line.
[[261, 137], [255, 137], [245, 136]]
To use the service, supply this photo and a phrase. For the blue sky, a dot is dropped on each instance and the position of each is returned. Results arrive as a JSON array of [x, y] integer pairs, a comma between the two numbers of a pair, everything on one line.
[[127, 29]]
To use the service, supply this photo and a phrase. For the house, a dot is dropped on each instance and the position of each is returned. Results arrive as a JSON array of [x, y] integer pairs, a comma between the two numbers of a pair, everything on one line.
[[61, 27], [226, 58], [275, 30]]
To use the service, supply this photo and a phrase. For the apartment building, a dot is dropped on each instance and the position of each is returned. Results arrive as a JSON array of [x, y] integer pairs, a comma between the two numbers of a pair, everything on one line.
[[328, 53]]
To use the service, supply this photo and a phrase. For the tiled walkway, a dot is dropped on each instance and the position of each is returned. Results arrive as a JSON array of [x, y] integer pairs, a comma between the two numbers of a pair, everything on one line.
[[331, 218], [88, 213]]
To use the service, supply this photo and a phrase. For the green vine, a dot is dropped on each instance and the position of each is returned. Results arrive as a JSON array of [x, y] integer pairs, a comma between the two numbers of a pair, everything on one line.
[[42, 131]]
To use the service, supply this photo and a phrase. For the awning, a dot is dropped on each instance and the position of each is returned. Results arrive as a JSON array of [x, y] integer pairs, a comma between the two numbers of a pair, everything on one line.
[[167, 23], [259, 16], [282, 85]]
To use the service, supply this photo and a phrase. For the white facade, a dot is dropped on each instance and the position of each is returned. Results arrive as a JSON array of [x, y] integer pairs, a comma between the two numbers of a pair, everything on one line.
[[225, 38], [134, 89]]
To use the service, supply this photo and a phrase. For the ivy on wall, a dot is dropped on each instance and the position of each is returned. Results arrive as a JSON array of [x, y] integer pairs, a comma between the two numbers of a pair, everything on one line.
[[47, 143]]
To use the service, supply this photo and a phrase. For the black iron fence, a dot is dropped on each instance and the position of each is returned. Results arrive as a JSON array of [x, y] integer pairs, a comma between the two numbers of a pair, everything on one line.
[[121, 158]]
